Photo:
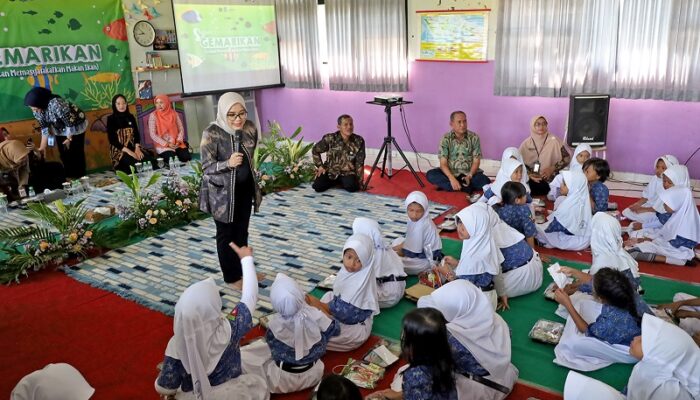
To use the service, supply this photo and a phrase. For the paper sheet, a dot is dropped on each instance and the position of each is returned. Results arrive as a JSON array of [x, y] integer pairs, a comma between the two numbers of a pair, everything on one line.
[[560, 279]]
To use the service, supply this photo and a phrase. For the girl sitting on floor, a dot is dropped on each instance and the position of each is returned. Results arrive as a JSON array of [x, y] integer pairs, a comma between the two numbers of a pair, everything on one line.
[[429, 373], [353, 301], [674, 176], [202, 359], [643, 210], [480, 260], [599, 334], [569, 227], [676, 241], [511, 171], [514, 154], [582, 153], [606, 247], [513, 211], [597, 172], [479, 339], [290, 357], [388, 268], [668, 368], [421, 236]]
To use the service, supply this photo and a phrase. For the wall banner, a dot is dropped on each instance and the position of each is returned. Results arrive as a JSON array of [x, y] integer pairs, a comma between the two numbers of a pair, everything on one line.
[[78, 50]]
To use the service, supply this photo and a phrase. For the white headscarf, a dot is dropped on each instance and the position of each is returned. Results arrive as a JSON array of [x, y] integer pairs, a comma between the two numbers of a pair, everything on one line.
[[574, 213], [422, 232], [503, 234], [685, 220], [226, 101], [581, 387], [296, 324], [508, 167], [386, 261], [510, 152], [606, 246], [670, 366], [472, 321], [359, 288], [678, 174], [655, 186], [202, 333], [578, 150], [479, 253], [54, 382]]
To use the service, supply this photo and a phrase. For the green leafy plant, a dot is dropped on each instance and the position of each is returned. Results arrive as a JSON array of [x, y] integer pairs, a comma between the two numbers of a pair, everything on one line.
[[282, 161], [62, 234]]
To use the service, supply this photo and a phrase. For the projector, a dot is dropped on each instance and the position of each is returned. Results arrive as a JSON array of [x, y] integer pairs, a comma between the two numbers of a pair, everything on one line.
[[388, 99]]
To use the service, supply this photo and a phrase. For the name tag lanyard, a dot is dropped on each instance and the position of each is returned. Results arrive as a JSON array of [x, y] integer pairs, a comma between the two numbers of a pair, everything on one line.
[[537, 164]]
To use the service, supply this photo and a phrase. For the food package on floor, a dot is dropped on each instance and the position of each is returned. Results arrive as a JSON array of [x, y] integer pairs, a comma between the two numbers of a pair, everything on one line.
[[363, 374], [99, 213], [547, 331], [384, 353], [431, 278], [417, 291], [549, 291], [327, 283]]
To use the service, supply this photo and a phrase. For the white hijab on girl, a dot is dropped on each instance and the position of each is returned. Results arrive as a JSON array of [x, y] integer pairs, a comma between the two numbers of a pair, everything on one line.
[[359, 288], [385, 261], [581, 387], [472, 321], [226, 101], [508, 167], [678, 174], [578, 150], [606, 246], [503, 234], [201, 333], [513, 152], [479, 253], [574, 212], [655, 186], [54, 382], [684, 221], [297, 324], [670, 367], [421, 232]]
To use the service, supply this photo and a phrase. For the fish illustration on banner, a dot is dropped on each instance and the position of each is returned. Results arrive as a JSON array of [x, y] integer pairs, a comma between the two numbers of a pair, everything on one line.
[[47, 81], [116, 29]]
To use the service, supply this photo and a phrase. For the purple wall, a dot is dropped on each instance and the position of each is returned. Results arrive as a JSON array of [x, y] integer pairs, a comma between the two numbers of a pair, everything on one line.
[[638, 130]]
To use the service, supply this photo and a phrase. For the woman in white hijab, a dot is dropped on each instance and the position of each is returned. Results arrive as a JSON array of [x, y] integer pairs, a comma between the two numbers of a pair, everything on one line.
[[510, 170], [387, 266], [479, 339], [54, 382], [422, 236], [353, 301], [582, 152], [676, 240], [569, 226], [643, 209], [203, 359], [230, 189], [480, 260], [296, 339]]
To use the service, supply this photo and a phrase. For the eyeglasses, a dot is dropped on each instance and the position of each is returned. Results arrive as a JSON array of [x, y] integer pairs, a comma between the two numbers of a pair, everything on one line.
[[540, 124], [240, 115]]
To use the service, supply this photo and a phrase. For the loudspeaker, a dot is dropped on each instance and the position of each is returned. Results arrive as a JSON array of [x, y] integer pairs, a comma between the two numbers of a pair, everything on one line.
[[588, 119]]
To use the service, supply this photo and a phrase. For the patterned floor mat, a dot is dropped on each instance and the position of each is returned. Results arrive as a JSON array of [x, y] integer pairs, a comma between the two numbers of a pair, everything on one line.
[[297, 231]]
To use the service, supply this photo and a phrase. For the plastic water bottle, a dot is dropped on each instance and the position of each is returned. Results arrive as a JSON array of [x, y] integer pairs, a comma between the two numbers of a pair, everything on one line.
[[32, 193]]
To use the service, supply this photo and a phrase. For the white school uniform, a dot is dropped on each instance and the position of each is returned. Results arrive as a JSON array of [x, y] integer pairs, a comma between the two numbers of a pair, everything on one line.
[[522, 280], [555, 185], [690, 325], [359, 289], [480, 254], [651, 193], [473, 322], [385, 263], [684, 222], [574, 214], [670, 367], [584, 353], [297, 325], [581, 387], [202, 333], [420, 235], [58, 381]]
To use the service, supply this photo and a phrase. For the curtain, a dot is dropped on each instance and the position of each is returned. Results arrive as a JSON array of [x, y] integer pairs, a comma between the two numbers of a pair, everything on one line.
[[626, 48], [297, 26], [555, 47], [659, 50], [367, 45]]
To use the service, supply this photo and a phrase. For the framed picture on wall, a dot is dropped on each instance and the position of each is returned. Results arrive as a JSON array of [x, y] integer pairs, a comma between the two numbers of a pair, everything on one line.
[[453, 35], [165, 40], [145, 89]]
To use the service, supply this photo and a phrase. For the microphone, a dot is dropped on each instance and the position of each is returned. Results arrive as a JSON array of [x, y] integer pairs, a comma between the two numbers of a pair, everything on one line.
[[237, 140]]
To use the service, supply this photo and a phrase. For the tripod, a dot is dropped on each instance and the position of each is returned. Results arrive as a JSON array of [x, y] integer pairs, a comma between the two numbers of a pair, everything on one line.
[[386, 147]]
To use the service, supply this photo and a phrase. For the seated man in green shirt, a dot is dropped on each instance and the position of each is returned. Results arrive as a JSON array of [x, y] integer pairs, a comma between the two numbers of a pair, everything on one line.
[[345, 158], [460, 155]]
